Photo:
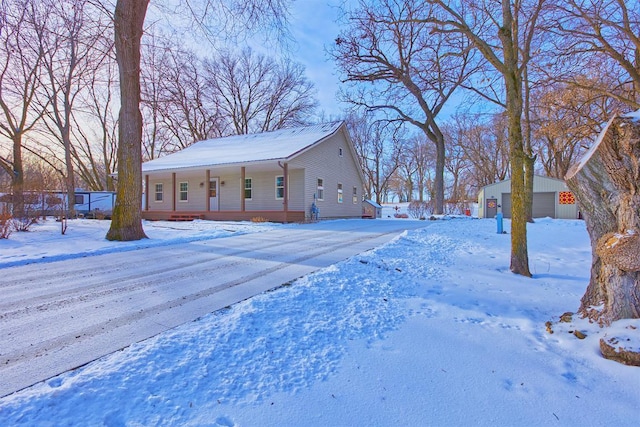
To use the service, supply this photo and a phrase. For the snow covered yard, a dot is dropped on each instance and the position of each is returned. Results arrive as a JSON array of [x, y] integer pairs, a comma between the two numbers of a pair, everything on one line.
[[85, 237], [430, 329]]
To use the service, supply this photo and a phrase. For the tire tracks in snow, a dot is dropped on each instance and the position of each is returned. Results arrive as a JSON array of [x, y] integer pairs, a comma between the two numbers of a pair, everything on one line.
[[39, 330]]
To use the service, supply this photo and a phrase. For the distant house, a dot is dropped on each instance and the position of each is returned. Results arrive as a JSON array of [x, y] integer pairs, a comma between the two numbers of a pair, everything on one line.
[[551, 198], [279, 176]]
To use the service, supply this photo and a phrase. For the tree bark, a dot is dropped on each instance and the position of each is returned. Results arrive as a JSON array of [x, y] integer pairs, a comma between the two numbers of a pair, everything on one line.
[[606, 184], [17, 177], [513, 85], [126, 222]]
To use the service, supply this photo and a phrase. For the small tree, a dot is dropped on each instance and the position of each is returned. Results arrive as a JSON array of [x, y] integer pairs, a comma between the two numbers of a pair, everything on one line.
[[418, 209], [5, 222]]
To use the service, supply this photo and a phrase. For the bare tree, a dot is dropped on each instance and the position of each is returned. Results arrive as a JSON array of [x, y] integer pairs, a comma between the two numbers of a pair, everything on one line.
[[503, 32], [600, 35], [126, 222], [378, 148], [565, 119], [257, 94], [178, 105], [419, 153], [484, 145], [458, 166], [128, 21], [399, 65], [98, 141], [71, 60], [20, 68]]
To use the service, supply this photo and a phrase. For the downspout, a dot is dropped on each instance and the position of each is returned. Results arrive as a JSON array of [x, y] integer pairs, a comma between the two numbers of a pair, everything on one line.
[[207, 194], [285, 197], [173, 198]]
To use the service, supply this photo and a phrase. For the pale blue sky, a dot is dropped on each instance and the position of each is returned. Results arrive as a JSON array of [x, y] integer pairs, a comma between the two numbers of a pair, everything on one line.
[[314, 27]]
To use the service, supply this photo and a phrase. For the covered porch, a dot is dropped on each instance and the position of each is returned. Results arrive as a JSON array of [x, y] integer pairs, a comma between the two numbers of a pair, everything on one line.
[[232, 193]]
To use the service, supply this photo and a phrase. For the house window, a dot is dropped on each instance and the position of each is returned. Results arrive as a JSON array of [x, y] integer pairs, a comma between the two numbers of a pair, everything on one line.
[[279, 187], [184, 192], [355, 195], [159, 193], [248, 186], [339, 193], [320, 190], [340, 152]]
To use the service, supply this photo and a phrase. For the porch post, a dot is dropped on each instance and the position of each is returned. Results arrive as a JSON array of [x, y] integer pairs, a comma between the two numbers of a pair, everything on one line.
[[206, 190], [286, 192], [173, 185], [242, 184], [146, 193]]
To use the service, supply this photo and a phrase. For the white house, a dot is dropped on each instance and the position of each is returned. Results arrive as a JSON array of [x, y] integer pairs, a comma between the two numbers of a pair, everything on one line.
[[279, 176], [551, 198]]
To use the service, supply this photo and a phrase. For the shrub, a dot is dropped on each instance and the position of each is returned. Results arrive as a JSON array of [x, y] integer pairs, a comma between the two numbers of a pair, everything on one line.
[[259, 219], [6, 226], [418, 209]]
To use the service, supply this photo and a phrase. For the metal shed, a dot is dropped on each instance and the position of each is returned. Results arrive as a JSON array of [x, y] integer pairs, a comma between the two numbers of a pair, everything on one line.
[[371, 209], [551, 198]]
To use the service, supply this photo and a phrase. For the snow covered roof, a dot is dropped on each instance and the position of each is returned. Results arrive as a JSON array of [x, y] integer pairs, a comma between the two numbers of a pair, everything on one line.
[[277, 145]]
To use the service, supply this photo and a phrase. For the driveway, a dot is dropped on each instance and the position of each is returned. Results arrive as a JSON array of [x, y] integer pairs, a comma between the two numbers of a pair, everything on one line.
[[61, 315]]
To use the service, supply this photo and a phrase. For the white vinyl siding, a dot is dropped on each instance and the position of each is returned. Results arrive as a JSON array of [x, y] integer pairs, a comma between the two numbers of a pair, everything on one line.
[[323, 162]]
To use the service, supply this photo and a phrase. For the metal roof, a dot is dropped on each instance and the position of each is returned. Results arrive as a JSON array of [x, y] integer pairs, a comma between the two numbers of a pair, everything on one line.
[[277, 145]]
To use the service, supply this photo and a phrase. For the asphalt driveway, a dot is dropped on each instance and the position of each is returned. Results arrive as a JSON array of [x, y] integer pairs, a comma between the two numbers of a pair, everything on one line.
[[61, 315]]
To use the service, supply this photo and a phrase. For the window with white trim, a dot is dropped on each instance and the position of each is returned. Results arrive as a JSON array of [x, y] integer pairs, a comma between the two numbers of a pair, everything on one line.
[[340, 152], [184, 192], [339, 193], [320, 189], [355, 195], [280, 187], [159, 193], [248, 189]]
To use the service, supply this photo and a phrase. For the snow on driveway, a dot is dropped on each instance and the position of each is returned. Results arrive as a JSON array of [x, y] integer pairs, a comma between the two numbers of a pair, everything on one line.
[[75, 308]]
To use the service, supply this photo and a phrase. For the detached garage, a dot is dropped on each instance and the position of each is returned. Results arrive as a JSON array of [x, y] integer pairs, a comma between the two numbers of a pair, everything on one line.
[[551, 198]]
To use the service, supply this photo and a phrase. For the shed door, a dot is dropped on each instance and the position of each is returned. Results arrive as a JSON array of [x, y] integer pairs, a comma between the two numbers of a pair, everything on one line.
[[506, 205], [544, 204], [491, 208], [213, 194]]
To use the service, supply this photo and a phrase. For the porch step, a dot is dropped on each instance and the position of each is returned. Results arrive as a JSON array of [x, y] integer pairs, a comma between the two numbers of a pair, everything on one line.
[[185, 217]]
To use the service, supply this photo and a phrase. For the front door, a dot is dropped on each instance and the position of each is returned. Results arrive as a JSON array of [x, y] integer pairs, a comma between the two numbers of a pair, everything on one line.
[[491, 208], [213, 194]]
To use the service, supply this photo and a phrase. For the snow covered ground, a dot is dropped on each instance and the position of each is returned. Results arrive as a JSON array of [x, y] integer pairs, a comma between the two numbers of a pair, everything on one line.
[[429, 330]]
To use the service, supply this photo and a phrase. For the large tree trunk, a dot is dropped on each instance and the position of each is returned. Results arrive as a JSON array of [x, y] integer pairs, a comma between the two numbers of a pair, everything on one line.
[[606, 184], [439, 178], [126, 223], [513, 85], [17, 178]]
